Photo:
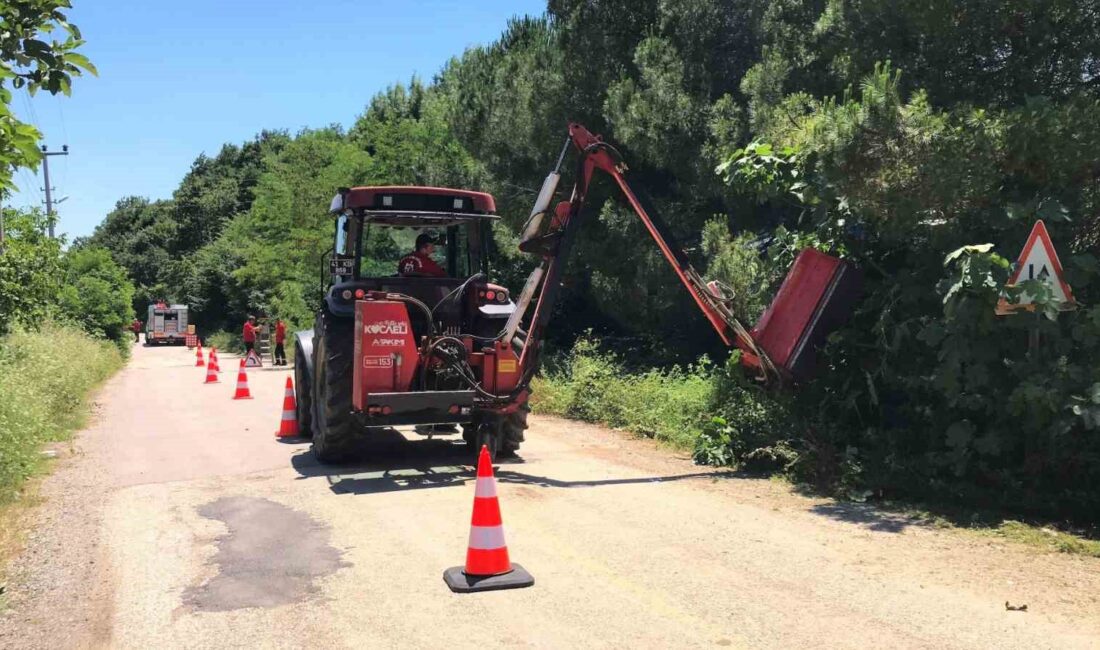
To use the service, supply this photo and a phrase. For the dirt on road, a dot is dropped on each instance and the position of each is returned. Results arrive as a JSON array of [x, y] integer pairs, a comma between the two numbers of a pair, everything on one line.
[[178, 521]]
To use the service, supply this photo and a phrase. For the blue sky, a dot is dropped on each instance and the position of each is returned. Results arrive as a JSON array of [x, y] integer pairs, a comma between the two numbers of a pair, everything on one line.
[[182, 77]]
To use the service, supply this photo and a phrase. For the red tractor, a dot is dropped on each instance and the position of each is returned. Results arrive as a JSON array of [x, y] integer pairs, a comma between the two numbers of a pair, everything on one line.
[[441, 347]]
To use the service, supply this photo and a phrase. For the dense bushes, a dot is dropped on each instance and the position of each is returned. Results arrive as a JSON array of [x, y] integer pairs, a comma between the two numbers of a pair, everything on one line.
[[96, 294], [925, 391], [224, 341], [29, 271], [45, 379]]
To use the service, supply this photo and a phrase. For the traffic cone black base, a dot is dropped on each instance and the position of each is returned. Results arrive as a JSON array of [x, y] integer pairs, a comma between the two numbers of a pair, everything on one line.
[[461, 583]]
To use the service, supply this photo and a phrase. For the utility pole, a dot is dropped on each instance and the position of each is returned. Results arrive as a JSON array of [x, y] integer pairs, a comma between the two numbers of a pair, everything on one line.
[[46, 175]]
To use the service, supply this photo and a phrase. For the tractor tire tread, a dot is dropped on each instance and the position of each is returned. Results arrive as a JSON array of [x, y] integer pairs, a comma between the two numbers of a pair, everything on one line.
[[512, 428], [303, 397], [335, 432]]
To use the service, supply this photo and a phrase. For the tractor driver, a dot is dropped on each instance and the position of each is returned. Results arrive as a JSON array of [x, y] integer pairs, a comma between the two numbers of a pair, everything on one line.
[[419, 263]]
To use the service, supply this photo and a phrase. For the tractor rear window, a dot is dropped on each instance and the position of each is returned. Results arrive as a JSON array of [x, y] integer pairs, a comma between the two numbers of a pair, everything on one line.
[[383, 247]]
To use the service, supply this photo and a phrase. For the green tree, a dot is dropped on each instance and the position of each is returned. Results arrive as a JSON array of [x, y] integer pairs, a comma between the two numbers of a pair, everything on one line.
[[29, 61], [96, 294], [30, 272]]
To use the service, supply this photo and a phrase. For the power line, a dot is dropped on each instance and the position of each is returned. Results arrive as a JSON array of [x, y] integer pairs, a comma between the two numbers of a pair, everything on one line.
[[29, 187], [65, 133], [33, 114], [61, 115], [30, 183]]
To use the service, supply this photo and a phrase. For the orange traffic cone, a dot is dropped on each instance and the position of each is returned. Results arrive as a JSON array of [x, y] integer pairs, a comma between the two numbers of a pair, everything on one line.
[[487, 564], [288, 427], [242, 384], [213, 363], [211, 374], [198, 357]]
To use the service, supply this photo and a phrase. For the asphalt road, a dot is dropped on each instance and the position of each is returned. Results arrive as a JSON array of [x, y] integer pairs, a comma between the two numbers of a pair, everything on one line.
[[178, 521]]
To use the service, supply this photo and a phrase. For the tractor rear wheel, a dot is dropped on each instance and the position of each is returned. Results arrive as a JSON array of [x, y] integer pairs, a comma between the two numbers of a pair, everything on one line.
[[334, 428], [303, 397]]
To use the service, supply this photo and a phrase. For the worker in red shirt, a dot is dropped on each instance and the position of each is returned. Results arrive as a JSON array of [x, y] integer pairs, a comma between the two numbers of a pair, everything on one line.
[[135, 327], [280, 338], [419, 263], [249, 335]]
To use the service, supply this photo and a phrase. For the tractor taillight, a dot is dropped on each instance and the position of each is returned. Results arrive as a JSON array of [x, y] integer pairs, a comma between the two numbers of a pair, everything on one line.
[[454, 409], [490, 295], [502, 297], [359, 293], [346, 294], [386, 410]]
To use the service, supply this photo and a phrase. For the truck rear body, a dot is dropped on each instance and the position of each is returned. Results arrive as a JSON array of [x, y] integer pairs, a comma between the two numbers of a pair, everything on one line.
[[166, 325]]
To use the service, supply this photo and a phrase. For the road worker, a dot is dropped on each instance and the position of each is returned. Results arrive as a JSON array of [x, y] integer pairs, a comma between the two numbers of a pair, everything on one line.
[[135, 327], [280, 338], [419, 263], [249, 335]]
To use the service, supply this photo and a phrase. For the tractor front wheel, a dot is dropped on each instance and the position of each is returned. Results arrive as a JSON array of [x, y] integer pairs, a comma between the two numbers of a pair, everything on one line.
[[334, 428], [501, 434]]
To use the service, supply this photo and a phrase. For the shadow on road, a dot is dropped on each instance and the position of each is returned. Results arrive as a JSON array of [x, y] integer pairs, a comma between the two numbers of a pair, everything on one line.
[[397, 464], [868, 516]]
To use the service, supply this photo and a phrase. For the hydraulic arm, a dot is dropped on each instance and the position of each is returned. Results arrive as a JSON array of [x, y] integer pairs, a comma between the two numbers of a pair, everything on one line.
[[551, 233]]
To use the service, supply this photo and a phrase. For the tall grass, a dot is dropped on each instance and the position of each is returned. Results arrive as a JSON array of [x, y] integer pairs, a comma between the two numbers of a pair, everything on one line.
[[669, 405], [45, 380]]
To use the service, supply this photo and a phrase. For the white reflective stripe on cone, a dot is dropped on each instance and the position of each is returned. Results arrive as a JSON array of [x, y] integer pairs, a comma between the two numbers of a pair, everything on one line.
[[289, 393], [486, 538], [290, 415], [486, 488]]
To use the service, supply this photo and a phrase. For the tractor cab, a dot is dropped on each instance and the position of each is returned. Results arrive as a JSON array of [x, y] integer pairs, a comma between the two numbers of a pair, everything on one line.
[[374, 249]]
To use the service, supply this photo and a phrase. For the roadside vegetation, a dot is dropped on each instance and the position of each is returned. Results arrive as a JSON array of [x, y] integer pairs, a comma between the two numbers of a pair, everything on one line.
[[62, 320], [46, 377], [919, 143], [224, 341], [62, 313]]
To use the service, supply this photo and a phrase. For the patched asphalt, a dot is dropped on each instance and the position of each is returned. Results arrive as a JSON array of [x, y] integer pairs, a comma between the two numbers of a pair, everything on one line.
[[270, 555]]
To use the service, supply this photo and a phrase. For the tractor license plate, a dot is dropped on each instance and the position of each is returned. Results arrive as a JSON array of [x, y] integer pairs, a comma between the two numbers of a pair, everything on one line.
[[342, 265]]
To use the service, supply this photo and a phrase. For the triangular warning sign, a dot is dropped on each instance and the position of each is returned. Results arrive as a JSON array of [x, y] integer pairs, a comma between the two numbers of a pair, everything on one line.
[[253, 360], [1039, 261]]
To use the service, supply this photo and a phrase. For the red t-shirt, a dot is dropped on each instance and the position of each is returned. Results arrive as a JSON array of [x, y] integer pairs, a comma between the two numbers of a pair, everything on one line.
[[420, 264], [249, 332], [280, 332]]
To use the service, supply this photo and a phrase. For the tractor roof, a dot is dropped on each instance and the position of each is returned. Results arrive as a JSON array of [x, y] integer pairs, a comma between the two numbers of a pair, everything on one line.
[[415, 206]]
